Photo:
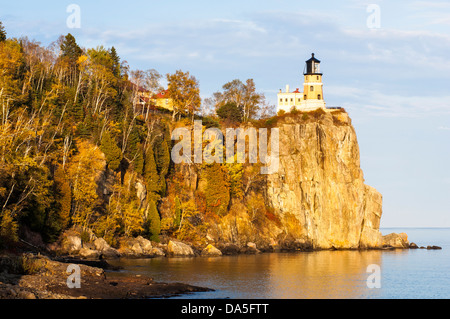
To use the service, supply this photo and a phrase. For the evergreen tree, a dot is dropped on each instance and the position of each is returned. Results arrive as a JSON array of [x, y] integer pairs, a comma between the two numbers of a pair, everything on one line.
[[111, 150], [115, 62], [230, 111], [153, 221], [162, 159], [2, 32], [151, 174], [70, 48]]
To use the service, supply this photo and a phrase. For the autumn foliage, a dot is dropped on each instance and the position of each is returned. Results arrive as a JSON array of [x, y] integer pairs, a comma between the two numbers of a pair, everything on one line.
[[76, 149]]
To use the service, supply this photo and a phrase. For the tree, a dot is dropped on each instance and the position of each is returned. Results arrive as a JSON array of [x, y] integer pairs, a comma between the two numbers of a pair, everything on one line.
[[69, 54], [151, 175], [162, 160], [2, 32], [112, 152], [218, 188], [189, 221], [267, 111], [242, 95], [153, 221], [64, 197], [123, 209], [231, 112], [162, 156], [133, 151], [115, 68], [185, 92], [102, 82], [9, 228], [70, 49], [152, 84], [83, 172], [12, 68]]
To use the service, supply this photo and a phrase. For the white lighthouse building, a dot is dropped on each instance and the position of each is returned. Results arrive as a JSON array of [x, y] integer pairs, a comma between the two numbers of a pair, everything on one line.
[[312, 96]]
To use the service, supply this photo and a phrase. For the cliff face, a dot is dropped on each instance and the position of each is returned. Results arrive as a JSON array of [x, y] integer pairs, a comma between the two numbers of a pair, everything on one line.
[[317, 198], [320, 182]]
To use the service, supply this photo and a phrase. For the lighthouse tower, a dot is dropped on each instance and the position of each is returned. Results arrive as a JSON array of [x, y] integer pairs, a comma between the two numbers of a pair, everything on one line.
[[312, 96], [312, 85]]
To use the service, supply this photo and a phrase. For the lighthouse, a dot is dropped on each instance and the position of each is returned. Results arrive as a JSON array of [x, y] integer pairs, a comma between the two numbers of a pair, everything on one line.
[[312, 96]]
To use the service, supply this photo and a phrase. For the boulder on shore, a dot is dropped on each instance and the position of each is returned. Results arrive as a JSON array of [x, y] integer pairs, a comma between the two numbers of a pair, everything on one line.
[[179, 249], [89, 253], [230, 249], [71, 244], [158, 252], [211, 251], [105, 249], [396, 240], [250, 249], [137, 247]]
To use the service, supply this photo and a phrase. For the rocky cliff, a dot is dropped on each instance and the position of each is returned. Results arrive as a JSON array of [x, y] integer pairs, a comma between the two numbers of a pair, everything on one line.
[[317, 199], [321, 184]]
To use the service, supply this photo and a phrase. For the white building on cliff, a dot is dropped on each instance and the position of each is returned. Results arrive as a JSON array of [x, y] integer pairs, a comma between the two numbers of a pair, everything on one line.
[[312, 96]]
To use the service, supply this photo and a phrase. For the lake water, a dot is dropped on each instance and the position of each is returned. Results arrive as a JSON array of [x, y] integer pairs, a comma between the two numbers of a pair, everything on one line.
[[405, 274]]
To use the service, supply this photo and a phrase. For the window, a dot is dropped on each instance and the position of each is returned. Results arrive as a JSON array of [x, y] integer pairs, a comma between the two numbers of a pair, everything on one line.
[[299, 99], [317, 77], [304, 97], [311, 88], [281, 100], [292, 100], [318, 96], [286, 99]]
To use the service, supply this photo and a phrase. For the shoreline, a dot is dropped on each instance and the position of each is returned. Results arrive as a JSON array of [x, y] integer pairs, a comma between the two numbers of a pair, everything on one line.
[[29, 276], [36, 276], [28, 272]]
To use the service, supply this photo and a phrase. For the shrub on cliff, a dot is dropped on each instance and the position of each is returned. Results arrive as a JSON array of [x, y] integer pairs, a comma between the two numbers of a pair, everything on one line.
[[217, 192], [230, 112], [8, 228]]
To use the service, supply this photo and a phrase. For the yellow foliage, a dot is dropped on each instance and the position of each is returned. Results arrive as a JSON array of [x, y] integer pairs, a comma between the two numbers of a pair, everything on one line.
[[83, 171]]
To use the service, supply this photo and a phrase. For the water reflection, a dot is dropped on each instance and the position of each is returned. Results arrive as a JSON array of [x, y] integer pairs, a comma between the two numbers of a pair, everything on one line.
[[322, 274]]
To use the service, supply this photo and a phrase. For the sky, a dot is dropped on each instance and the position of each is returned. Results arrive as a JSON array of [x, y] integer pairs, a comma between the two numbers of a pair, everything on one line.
[[386, 62]]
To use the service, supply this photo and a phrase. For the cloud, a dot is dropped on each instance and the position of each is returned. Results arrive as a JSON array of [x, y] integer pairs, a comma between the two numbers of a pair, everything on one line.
[[384, 71], [377, 103]]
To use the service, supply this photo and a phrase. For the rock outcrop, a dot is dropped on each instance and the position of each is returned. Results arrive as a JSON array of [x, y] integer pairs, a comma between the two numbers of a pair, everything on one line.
[[71, 244], [321, 184], [107, 251], [211, 251], [179, 249], [396, 240]]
